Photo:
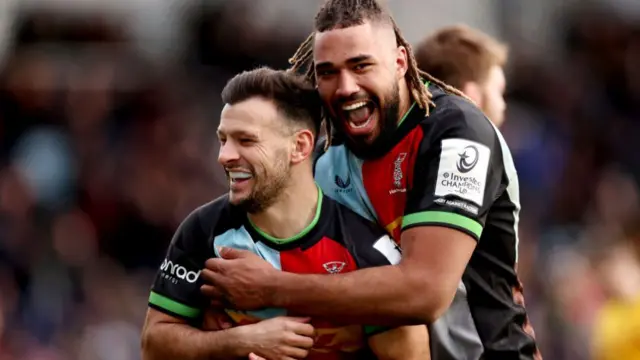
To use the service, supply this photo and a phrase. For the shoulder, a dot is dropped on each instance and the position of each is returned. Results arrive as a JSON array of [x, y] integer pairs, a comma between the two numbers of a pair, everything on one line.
[[367, 241], [351, 223], [455, 117], [213, 217], [328, 157], [457, 123], [321, 145]]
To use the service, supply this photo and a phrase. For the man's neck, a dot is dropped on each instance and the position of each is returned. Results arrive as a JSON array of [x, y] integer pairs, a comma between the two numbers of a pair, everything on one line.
[[292, 213], [405, 101]]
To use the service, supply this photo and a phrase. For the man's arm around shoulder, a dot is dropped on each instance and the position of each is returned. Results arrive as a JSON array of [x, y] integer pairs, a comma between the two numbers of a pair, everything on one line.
[[416, 291]]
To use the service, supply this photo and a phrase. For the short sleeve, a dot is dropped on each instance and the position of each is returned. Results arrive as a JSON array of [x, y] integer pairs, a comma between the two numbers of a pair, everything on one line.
[[459, 172], [176, 289]]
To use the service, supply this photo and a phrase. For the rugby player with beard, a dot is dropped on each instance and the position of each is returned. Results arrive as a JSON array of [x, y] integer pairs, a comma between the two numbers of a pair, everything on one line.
[[275, 210], [417, 156]]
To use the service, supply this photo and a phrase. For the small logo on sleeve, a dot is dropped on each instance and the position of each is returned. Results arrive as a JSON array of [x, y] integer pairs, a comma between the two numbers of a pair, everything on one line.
[[174, 272], [468, 159]]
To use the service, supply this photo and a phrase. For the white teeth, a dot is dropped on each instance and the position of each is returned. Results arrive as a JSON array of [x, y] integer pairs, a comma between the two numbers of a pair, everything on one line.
[[236, 175], [360, 125], [354, 106]]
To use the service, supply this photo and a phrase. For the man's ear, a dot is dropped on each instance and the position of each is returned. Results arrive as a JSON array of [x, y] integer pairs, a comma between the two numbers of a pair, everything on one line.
[[402, 62], [303, 145]]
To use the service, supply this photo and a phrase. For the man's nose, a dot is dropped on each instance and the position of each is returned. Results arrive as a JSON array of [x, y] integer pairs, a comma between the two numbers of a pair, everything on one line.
[[347, 86], [228, 153]]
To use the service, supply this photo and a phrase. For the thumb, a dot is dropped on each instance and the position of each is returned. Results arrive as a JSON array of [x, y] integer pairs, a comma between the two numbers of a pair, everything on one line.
[[253, 356], [300, 319], [231, 253]]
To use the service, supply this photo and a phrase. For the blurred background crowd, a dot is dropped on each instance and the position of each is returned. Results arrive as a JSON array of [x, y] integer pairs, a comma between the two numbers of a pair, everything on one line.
[[108, 113]]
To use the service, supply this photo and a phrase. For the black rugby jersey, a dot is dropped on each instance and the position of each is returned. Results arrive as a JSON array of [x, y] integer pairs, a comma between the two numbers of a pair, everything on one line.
[[454, 169], [337, 241]]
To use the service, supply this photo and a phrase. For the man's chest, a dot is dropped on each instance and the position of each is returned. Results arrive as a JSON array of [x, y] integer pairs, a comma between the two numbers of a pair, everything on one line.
[[333, 341], [375, 189]]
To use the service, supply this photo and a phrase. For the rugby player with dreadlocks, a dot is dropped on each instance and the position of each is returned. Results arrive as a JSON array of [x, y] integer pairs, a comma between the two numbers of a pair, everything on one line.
[[418, 157]]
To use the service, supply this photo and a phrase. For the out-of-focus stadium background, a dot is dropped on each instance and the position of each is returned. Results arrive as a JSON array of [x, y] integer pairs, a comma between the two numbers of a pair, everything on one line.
[[107, 118]]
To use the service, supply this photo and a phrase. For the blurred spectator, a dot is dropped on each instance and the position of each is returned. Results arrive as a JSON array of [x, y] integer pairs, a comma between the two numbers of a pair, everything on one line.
[[616, 332]]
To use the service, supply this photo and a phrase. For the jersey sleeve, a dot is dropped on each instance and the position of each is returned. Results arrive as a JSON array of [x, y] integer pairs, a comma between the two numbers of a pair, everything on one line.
[[458, 173], [176, 289]]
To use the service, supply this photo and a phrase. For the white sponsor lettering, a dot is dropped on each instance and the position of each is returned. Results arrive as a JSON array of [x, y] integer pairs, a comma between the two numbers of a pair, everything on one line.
[[179, 271], [463, 169], [459, 204]]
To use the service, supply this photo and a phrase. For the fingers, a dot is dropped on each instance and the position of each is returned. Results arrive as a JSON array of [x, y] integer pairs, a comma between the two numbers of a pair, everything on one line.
[[228, 253], [211, 292], [223, 320], [295, 352], [298, 319], [253, 356], [215, 320], [213, 264], [209, 276], [299, 341], [302, 329]]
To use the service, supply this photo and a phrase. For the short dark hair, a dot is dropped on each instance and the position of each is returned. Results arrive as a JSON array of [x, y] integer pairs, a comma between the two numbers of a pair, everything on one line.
[[343, 14], [458, 54], [295, 97]]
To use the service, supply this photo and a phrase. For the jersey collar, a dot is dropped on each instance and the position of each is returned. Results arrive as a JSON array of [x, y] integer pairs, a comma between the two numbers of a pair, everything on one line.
[[306, 233]]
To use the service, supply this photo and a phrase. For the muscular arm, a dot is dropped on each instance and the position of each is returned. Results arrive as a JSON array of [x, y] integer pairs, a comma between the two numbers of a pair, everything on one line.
[[416, 291], [402, 343], [166, 338], [444, 217], [459, 172]]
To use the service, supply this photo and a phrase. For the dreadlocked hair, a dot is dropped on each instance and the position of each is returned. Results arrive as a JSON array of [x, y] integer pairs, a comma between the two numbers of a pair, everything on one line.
[[340, 14]]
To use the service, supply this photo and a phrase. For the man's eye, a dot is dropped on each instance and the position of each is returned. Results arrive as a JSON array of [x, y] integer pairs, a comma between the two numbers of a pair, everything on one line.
[[325, 72]]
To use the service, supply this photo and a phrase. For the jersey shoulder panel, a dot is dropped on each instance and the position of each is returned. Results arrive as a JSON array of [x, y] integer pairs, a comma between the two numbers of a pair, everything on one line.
[[455, 116], [176, 288], [218, 216], [459, 168], [369, 244]]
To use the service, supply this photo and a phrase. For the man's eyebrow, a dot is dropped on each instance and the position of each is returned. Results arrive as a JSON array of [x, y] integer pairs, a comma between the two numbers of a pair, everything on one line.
[[359, 59], [237, 133], [353, 60]]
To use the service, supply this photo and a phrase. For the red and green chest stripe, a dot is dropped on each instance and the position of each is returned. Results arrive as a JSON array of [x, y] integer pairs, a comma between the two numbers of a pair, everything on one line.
[[375, 189]]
